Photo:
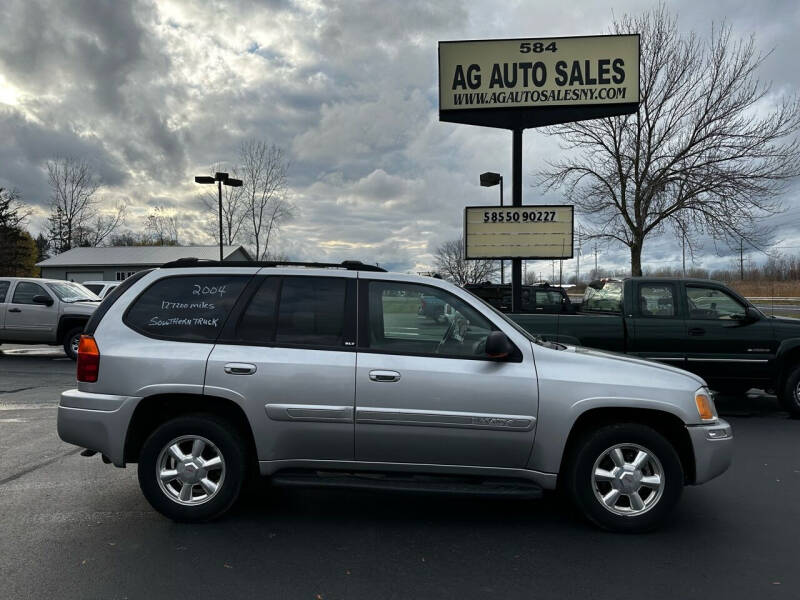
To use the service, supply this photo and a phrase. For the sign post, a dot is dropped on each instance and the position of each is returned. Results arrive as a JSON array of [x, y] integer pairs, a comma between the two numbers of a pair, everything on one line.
[[532, 82]]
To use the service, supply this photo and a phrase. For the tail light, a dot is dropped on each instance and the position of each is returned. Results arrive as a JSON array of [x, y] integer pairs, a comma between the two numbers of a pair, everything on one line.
[[88, 359]]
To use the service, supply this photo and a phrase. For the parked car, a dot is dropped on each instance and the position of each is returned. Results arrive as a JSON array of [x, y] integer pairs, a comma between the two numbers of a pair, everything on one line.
[[539, 298], [202, 372], [695, 324], [100, 288], [44, 311]]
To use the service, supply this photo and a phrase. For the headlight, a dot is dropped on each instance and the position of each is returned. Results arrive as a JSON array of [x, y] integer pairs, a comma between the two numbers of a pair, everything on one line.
[[705, 405]]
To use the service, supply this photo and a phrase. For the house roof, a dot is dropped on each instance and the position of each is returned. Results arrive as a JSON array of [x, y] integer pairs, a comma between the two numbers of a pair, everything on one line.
[[135, 255]]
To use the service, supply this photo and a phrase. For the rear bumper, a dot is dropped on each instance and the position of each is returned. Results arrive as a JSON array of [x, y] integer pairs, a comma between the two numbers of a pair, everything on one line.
[[96, 421], [713, 449]]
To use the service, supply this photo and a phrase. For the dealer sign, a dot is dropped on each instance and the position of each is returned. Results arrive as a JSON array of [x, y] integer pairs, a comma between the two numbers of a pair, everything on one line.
[[530, 232], [530, 82]]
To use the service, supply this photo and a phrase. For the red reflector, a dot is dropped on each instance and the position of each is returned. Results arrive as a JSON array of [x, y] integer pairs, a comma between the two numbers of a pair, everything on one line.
[[88, 359]]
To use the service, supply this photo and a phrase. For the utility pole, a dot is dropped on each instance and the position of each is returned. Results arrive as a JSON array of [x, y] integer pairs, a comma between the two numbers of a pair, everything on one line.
[[596, 274], [741, 259], [578, 262], [684, 253]]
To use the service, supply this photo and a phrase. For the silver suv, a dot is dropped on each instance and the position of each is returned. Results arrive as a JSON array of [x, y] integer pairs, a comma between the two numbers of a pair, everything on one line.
[[204, 373], [44, 311]]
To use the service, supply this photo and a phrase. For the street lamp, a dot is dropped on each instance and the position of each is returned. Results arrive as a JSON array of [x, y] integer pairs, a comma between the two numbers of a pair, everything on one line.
[[220, 178], [490, 179]]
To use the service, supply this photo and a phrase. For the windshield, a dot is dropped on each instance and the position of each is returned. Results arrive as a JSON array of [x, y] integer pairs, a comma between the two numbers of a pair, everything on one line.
[[72, 292]]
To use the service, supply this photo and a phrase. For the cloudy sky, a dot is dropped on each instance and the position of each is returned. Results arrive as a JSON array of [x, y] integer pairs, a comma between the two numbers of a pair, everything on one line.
[[152, 93]]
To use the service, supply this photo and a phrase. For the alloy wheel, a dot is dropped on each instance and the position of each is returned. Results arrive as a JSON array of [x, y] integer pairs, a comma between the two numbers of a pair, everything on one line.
[[190, 470], [627, 479]]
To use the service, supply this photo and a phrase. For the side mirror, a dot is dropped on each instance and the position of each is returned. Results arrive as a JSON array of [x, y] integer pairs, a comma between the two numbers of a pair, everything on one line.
[[751, 314], [498, 345], [43, 299]]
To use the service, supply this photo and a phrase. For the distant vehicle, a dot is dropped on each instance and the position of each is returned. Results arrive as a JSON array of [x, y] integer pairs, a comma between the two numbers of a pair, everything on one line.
[[695, 324], [538, 298], [100, 288], [44, 311], [322, 375], [433, 308]]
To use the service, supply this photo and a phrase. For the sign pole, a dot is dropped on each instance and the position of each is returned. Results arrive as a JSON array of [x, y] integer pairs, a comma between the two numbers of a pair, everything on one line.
[[516, 200]]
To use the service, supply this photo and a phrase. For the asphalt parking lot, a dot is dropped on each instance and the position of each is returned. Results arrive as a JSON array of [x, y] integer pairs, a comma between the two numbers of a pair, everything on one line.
[[72, 527]]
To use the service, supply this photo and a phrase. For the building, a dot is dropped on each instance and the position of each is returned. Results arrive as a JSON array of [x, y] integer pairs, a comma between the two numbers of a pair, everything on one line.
[[115, 263]]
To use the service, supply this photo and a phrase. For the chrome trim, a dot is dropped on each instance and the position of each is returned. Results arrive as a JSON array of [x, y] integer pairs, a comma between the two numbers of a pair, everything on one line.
[[442, 418], [737, 360], [310, 412]]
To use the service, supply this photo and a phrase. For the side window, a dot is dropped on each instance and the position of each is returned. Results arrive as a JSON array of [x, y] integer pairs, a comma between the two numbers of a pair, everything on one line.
[[657, 300], [712, 303], [95, 288], [4, 285], [311, 311], [417, 319], [185, 308], [605, 299], [257, 323], [25, 291], [548, 298]]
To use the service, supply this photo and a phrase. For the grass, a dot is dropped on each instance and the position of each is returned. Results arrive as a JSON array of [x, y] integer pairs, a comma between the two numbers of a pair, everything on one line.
[[756, 289]]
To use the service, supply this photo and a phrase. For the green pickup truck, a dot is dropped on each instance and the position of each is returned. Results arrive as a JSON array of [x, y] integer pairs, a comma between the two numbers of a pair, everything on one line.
[[695, 324]]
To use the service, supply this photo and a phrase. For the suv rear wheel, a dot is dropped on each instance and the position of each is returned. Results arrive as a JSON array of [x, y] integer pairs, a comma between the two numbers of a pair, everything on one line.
[[625, 477], [192, 468]]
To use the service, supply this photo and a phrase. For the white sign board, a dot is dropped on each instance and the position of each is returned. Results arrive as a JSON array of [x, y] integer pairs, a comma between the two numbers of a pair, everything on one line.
[[529, 232], [538, 72]]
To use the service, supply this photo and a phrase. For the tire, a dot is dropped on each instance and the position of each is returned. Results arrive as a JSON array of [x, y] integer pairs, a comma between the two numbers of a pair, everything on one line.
[[71, 339], [220, 439], [594, 451], [789, 396]]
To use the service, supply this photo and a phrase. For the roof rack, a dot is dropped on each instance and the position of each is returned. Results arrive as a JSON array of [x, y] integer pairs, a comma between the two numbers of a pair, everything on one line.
[[350, 265]]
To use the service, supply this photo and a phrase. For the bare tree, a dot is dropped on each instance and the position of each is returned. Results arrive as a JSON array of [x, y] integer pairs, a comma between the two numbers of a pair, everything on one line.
[[234, 210], [452, 265], [74, 217], [161, 227], [263, 173], [709, 150], [13, 212]]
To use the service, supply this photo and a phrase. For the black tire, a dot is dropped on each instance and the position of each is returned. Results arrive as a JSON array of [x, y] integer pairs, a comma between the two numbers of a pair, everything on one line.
[[789, 396], [224, 437], [70, 341], [580, 485]]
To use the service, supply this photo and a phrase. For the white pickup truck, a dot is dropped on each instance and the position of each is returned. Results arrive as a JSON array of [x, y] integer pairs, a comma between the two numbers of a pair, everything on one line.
[[44, 311]]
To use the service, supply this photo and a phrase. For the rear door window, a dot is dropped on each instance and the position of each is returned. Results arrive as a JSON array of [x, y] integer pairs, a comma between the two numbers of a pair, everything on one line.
[[311, 311], [657, 300], [4, 285], [295, 310], [186, 307]]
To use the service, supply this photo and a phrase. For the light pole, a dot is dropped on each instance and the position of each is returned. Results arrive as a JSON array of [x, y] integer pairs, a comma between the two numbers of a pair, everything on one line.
[[220, 178], [490, 179]]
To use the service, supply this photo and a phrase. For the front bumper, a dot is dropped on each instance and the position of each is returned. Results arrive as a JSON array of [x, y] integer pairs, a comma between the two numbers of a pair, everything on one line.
[[713, 449], [96, 421]]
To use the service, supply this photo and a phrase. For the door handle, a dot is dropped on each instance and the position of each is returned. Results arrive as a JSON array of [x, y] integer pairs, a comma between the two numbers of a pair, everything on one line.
[[240, 369], [384, 376], [697, 331], [14, 310]]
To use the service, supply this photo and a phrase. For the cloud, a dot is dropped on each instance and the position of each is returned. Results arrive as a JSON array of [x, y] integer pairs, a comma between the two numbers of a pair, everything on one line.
[[153, 93]]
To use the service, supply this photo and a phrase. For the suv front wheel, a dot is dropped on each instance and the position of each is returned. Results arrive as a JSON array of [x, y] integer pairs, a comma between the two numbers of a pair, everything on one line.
[[192, 468], [71, 340], [625, 477]]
